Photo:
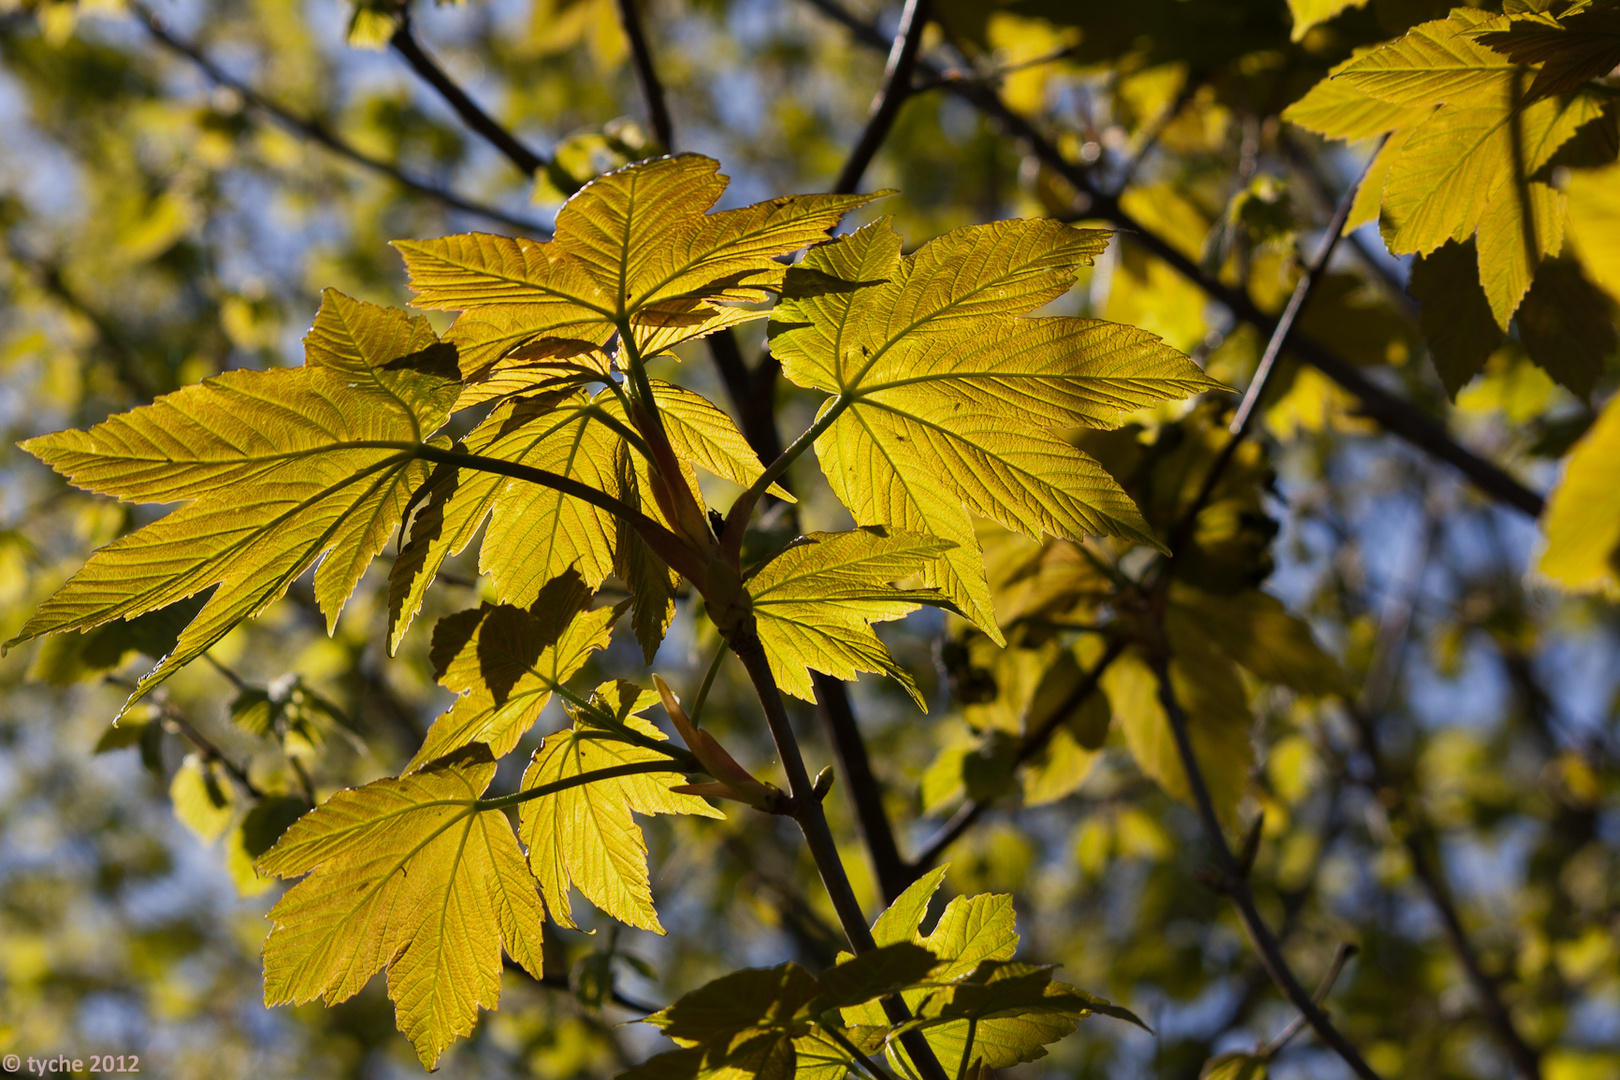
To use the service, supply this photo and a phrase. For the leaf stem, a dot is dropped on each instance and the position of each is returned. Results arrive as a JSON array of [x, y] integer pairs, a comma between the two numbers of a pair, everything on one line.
[[861, 1058], [708, 681]]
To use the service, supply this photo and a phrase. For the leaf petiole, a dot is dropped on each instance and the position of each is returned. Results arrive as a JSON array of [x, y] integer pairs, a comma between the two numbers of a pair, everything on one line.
[[541, 791]]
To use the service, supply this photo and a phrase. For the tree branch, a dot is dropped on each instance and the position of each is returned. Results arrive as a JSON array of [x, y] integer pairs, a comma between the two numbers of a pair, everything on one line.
[[807, 814], [1396, 415], [317, 132], [891, 95], [652, 90], [404, 42], [1237, 886]]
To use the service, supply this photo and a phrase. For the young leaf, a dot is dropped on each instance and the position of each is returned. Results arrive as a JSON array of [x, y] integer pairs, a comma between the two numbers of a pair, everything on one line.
[[411, 875], [506, 662], [584, 836], [279, 469], [949, 403], [815, 602], [970, 932], [636, 244]]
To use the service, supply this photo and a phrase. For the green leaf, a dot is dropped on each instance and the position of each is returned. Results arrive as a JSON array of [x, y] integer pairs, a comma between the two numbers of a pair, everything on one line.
[[279, 469], [815, 602], [584, 836], [1440, 62], [1582, 520], [1455, 314], [635, 244], [412, 875], [949, 403], [884, 970], [506, 662]]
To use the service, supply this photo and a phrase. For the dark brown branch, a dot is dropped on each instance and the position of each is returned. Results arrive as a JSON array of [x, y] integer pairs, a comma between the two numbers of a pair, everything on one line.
[[405, 43], [652, 90], [895, 90], [1237, 886], [812, 821], [317, 132], [1396, 415], [855, 770]]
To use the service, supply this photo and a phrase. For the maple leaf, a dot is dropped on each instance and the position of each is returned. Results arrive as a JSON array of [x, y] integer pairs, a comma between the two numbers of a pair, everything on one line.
[[969, 932], [507, 662], [1572, 49], [278, 469], [1439, 62], [815, 602], [634, 250], [584, 836], [414, 875], [537, 533], [948, 403], [1582, 522]]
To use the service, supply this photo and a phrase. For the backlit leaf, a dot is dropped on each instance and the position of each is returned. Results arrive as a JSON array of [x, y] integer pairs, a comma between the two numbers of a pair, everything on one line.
[[411, 875], [1582, 520], [815, 602], [506, 662], [278, 469], [584, 836], [1438, 62], [949, 403]]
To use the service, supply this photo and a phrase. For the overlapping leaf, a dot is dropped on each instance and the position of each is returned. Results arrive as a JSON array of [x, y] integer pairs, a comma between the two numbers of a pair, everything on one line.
[[636, 245], [506, 662], [278, 469], [584, 836], [949, 403], [970, 932], [537, 533], [413, 876], [815, 602]]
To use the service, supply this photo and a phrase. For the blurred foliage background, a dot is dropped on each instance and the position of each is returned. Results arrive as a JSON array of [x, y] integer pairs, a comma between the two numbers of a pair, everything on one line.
[[177, 183]]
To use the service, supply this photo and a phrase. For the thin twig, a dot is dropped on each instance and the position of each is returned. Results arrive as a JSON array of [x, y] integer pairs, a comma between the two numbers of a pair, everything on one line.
[[204, 746], [1345, 951], [404, 42], [890, 96], [652, 90], [812, 822], [318, 132], [1237, 887]]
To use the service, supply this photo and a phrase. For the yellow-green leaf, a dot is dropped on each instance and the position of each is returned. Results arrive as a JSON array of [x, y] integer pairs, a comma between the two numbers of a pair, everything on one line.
[[1440, 62], [506, 662], [636, 244], [584, 836], [1594, 223], [815, 602], [278, 469], [411, 875], [948, 403], [1255, 629], [204, 800], [1338, 109], [1582, 520]]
